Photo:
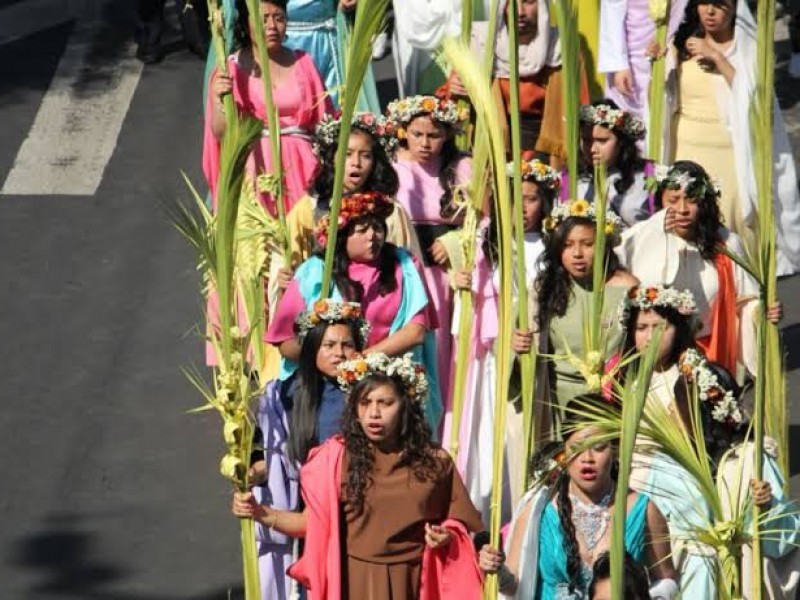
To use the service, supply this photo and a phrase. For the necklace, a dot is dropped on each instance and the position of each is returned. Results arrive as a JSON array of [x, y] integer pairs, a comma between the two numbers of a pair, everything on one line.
[[591, 520]]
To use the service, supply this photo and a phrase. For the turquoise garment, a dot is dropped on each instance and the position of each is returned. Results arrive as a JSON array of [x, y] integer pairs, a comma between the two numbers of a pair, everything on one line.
[[553, 578], [412, 300]]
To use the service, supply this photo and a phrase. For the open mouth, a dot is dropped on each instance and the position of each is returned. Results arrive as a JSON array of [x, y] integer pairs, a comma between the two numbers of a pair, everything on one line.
[[588, 474]]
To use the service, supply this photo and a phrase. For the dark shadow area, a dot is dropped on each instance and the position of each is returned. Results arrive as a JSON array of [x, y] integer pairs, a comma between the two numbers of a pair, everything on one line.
[[791, 342], [794, 450], [67, 564]]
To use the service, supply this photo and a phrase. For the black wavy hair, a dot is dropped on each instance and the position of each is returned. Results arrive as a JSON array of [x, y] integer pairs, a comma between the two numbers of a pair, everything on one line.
[[304, 434], [449, 156], [692, 27], [419, 452], [636, 585], [684, 332], [353, 291], [383, 178], [241, 27], [707, 235], [629, 160], [553, 286]]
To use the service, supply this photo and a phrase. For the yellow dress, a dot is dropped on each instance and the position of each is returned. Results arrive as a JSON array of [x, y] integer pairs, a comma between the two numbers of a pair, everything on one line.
[[589, 30], [699, 134]]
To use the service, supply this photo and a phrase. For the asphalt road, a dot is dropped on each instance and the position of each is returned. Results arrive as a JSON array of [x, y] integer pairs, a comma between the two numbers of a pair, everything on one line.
[[110, 489]]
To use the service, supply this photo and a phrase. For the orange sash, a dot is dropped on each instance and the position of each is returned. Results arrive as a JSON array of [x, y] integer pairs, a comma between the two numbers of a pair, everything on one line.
[[722, 344]]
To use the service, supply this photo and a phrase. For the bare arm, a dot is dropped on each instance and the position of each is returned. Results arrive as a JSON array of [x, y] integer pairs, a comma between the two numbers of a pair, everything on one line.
[[286, 522], [400, 342], [290, 349], [658, 548]]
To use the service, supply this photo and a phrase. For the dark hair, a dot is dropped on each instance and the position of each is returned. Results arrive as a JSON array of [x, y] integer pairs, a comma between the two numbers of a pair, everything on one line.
[[717, 437], [629, 161], [684, 331], [353, 291], [415, 440], [574, 419], [241, 27], [709, 219], [304, 434], [383, 178], [553, 285], [692, 27], [636, 584], [449, 157]]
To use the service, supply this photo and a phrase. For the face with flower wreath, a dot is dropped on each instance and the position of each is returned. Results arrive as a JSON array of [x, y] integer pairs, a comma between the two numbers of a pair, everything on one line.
[[681, 212], [425, 138], [600, 144], [589, 469], [648, 323], [337, 345], [532, 207], [359, 160], [379, 408], [577, 253]]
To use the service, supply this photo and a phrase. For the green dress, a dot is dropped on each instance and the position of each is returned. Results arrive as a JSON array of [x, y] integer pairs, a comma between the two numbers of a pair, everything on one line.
[[567, 337]]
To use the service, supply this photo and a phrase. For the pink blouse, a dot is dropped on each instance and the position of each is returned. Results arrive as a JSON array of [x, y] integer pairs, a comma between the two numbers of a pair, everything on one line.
[[420, 190]]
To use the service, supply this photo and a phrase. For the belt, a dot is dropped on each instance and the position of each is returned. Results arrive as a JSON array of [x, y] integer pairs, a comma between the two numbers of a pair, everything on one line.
[[293, 131]]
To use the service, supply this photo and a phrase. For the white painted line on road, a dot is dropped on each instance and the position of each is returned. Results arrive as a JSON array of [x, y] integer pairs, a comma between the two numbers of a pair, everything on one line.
[[76, 128]]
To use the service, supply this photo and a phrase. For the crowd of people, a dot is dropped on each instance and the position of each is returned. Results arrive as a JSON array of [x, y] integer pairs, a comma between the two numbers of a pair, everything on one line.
[[353, 494]]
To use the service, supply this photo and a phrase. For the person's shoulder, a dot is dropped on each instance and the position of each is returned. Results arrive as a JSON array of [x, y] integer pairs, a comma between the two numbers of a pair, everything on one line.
[[731, 240], [623, 278], [328, 449]]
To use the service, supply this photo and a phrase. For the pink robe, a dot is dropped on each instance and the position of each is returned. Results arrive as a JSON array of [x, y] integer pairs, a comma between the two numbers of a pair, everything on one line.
[[451, 573], [301, 103]]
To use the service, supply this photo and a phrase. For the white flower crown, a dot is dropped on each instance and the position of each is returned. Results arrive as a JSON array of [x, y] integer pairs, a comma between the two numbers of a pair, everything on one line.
[[537, 171], [582, 209], [402, 112], [724, 407], [646, 298], [614, 118], [410, 373], [379, 127], [673, 178], [330, 311]]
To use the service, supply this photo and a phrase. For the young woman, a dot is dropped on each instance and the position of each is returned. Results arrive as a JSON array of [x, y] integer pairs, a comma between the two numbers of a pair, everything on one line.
[[367, 169], [680, 498], [714, 82], [430, 169], [299, 96], [540, 185], [384, 279], [386, 513], [561, 527], [608, 137], [680, 247], [563, 296], [296, 415]]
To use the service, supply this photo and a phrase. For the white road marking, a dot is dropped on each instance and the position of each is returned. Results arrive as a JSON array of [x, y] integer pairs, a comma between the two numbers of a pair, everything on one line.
[[76, 128]]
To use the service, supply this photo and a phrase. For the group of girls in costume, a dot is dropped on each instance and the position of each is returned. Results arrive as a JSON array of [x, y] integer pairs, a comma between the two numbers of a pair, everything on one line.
[[351, 466]]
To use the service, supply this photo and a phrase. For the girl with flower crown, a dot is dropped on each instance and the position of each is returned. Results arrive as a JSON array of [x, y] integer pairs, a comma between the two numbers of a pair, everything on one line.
[[293, 417], [300, 100], [710, 90], [386, 515], [431, 170], [681, 246], [685, 502], [609, 137], [563, 523], [367, 169], [563, 299], [384, 279]]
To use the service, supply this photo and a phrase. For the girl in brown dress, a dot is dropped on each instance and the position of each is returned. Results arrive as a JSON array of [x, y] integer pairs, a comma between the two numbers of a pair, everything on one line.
[[387, 515]]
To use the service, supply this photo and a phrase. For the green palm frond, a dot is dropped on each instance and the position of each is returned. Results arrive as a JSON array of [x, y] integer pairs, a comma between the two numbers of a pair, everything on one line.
[[567, 17], [370, 16], [659, 12]]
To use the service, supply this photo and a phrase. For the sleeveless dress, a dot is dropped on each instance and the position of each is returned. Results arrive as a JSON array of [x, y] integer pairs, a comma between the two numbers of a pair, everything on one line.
[[553, 576]]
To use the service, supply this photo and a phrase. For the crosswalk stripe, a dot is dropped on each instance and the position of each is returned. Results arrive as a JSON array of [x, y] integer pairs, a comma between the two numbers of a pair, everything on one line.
[[78, 122]]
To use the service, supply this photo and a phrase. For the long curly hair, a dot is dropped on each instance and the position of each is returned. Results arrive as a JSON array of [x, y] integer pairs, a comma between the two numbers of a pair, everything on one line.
[[574, 421], [419, 452], [553, 286], [449, 156], [684, 332], [304, 433], [241, 27], [629, 160], [707, 235], [692, 27], [353, 291], [636, 586], [383, 178]]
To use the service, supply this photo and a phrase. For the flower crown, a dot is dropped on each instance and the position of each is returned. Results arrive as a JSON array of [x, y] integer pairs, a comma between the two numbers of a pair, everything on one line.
[[579, 208], [538, 172], [408, 372], [379, 127], [724, 408], [672, 178], [614, 118], [402, 112], [330, 311], [355, 206], [647, 298]]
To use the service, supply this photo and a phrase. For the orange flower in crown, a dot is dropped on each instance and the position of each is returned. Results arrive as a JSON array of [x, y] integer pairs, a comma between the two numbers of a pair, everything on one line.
[[355, 206]]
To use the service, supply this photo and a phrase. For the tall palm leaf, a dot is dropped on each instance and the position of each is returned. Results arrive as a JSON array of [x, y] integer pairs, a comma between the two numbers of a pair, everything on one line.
[[659, 12], [567, 17]]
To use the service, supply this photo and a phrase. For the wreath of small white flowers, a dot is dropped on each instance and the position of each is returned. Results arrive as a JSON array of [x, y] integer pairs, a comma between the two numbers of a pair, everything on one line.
[[379, 127], [673, 178], [410, 373], [536, 171], [330, 311], [614, 118], [648, 297], [724, 407]]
